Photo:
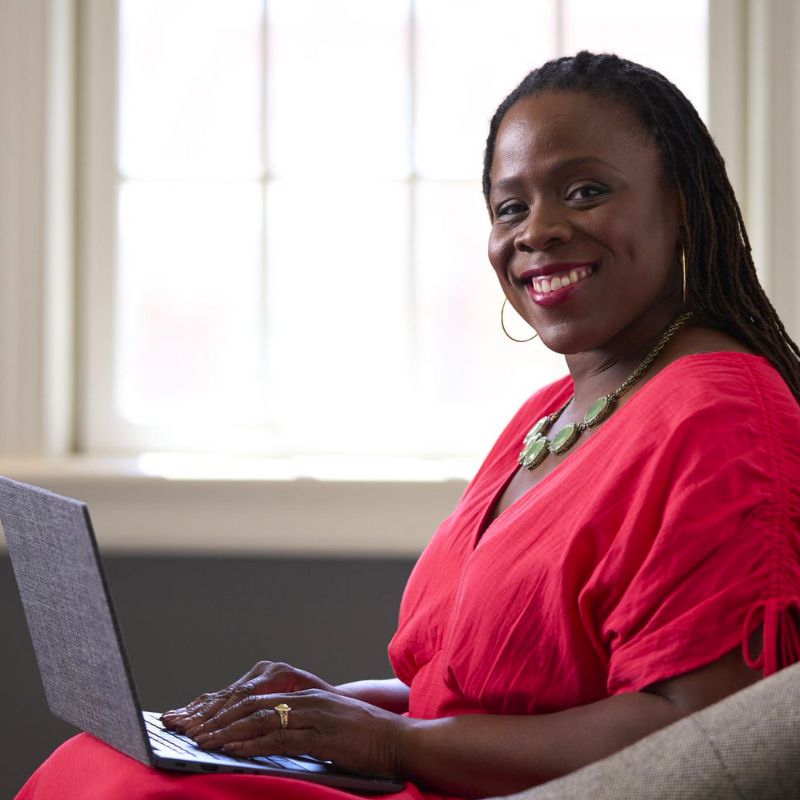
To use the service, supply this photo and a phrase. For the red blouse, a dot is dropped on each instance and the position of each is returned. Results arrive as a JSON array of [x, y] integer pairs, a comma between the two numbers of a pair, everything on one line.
[[657, 546]]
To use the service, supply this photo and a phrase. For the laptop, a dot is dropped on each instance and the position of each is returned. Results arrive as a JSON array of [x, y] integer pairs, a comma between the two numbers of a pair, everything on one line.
[[81, 657]]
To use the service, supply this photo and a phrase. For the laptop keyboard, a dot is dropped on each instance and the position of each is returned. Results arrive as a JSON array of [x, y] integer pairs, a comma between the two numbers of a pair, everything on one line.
[[172, 743]]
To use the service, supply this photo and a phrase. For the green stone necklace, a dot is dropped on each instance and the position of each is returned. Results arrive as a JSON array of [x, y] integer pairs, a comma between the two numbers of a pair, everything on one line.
[[536, 446]]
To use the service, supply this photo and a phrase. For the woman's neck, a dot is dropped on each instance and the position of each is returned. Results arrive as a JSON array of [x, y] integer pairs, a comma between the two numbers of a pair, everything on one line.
[[601, 371]]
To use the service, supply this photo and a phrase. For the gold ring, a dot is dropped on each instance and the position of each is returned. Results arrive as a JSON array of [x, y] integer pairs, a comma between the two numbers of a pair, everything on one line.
[[283, 712]]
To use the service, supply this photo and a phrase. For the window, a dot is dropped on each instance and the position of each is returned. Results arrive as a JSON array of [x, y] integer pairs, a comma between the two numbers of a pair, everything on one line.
[[285, 234]]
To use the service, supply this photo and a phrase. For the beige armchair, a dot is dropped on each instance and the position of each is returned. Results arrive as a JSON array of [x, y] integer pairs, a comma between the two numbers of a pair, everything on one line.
[[745, 747]]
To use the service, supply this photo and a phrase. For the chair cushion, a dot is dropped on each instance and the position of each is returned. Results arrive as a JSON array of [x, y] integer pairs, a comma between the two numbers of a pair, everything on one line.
[[746, 746]]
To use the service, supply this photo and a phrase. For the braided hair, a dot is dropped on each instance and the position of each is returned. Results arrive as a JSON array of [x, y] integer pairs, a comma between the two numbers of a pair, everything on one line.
[[722, 288]]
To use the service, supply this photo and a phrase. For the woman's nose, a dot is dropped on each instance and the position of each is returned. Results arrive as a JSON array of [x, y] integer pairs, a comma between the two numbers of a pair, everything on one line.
[[545, 225]]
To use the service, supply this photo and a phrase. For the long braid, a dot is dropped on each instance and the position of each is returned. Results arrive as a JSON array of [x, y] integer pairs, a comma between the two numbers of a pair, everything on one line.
[[723, 289]]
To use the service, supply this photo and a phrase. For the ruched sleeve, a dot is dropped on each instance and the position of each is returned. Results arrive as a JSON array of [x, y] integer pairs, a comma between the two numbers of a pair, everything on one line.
[[721, 560], [778, 619]]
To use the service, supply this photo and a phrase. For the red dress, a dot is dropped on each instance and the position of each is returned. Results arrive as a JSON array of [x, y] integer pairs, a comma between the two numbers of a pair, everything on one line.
[[656, 547]]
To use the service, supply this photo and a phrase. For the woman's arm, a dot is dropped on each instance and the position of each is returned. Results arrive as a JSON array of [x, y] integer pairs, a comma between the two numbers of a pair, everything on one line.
[[391, 694], [479, 755]]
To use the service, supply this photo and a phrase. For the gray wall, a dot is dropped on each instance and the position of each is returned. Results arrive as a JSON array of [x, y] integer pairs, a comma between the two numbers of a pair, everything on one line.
[[194, 624]]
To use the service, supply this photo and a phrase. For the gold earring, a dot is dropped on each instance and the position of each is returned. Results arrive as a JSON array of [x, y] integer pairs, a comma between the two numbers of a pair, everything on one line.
[[683, 271], [503, 325]]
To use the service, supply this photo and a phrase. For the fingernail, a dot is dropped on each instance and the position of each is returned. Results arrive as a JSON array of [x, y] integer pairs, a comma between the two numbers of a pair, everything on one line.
[[203, 737], [232, 747]]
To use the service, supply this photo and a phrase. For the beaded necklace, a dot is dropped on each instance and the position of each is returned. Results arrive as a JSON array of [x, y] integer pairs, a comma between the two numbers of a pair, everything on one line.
[[536, 446]]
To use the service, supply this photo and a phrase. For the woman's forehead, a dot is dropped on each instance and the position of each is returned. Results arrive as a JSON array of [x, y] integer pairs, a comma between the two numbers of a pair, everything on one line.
[[560, 126]]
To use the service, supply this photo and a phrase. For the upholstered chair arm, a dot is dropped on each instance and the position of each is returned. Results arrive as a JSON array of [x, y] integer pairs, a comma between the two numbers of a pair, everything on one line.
[[747, 747]]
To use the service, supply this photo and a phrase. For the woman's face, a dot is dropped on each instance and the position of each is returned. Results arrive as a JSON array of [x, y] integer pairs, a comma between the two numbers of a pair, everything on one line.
[[585, 228]]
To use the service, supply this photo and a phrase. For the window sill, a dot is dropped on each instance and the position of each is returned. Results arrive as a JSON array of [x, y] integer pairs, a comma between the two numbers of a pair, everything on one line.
[[172, 505]]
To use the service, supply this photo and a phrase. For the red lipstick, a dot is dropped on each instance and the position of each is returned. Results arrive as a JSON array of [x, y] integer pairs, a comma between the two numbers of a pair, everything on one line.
[[553, 284]]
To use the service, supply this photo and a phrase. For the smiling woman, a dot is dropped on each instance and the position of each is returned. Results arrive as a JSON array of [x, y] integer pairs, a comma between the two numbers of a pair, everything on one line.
[[574, 175], [653, 569]]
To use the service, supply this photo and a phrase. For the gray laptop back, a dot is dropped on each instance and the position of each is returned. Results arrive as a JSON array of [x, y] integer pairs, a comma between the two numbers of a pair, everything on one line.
[[75, 633]]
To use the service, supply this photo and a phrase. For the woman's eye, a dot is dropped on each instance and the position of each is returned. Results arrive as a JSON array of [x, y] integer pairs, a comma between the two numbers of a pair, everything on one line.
[[510, 209], [586, 192]]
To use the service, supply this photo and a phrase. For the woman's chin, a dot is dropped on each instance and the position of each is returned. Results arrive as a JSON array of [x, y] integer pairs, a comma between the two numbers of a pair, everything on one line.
[[565, 340]]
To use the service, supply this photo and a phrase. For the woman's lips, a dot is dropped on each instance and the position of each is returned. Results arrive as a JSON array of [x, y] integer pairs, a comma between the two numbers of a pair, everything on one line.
[[556, 288]]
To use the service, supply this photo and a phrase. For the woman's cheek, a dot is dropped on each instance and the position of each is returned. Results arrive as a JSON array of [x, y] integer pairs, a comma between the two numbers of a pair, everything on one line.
[[499, 252]]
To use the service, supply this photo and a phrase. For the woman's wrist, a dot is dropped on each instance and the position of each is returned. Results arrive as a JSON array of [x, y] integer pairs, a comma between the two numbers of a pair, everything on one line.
[[410, 733]]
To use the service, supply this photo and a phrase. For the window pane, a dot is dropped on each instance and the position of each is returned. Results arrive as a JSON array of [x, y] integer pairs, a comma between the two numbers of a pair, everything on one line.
[[356, 312], [338, 311], [337, 87], [189, 303], [190, 87], [473, 377], [669, 37], [470, 55]]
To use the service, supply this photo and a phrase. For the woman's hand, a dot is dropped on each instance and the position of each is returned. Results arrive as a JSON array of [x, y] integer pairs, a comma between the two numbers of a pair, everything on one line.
[[354, 735], [266, 677]]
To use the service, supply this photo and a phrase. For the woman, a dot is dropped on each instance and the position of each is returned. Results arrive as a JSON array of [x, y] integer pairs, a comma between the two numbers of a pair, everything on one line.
[[629, 550]]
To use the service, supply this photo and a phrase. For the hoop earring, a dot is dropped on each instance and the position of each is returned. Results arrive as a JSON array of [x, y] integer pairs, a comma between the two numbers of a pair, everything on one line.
[[503, 325], [683, 272]]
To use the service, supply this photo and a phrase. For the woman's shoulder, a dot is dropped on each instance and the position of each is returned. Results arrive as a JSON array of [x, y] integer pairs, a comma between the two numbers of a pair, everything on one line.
[[709, 368], [726, 378], [705, 369], [726, 407]]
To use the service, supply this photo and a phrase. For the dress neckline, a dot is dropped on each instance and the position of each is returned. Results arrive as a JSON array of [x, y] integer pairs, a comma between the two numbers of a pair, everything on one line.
[[558, 399]]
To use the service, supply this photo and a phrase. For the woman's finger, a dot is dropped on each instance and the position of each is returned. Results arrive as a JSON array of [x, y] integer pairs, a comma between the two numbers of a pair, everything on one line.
[[280, 742], [191, 719], [209, 698], [183, 717], [204, 698], [257, 702], [181, 710], [264, 676], [232, 713], [227, 699], [207, 705], [259, 723]]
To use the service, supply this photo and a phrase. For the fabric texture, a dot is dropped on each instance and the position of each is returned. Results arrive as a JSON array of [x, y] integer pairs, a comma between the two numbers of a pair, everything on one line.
[[656, 547], [745, 748]]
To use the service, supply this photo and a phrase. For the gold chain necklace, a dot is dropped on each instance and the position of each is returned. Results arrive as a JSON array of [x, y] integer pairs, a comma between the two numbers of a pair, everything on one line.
[[536, 446]]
